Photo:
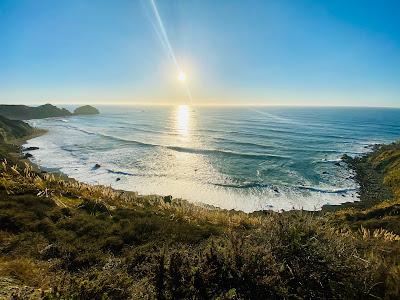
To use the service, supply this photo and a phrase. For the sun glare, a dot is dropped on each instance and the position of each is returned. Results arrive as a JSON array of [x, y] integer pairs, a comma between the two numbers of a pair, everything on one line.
[[181, 76], [183, 118]]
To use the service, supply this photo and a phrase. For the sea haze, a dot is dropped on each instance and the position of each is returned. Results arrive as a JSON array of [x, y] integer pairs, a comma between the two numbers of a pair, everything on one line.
[[246, 158]]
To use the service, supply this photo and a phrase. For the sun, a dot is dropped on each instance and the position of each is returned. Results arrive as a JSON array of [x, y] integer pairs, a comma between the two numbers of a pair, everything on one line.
[[181, 76]]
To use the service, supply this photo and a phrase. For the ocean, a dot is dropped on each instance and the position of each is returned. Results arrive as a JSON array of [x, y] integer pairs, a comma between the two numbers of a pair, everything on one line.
[[243, 158]]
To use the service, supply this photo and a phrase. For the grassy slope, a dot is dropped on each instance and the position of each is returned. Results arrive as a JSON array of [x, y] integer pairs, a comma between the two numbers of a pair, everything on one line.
[[12, 129], [67, 239]]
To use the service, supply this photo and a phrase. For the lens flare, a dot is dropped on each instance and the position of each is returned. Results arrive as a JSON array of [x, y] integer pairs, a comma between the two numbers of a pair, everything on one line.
[[165, 42]]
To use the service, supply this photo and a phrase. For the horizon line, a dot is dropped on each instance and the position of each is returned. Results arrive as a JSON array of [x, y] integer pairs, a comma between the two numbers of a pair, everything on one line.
[[204, 104]]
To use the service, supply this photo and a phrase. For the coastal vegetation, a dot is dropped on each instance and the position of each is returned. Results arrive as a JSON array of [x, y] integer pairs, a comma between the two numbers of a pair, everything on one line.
[[11, 129], [60, 238]]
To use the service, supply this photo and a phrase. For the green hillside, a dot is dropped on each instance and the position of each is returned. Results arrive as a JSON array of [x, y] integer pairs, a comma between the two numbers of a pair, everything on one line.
[[13, 129], [23, 112]]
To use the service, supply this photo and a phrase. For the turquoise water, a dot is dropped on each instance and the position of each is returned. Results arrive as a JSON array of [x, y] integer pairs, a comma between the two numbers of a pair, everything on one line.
[[246, 158]]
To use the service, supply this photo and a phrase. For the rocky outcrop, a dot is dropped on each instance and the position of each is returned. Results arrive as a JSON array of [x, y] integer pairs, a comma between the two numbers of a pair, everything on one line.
[[86, 110]]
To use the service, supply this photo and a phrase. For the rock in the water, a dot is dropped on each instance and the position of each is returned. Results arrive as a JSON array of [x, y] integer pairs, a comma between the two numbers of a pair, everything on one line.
[[28, 155], [96, 166], [86, 110], [347, 159], [31, 148], [118, 179], [337, 164]]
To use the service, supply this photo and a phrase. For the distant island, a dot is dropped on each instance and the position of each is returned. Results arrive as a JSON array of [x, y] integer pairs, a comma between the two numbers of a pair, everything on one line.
[[86, 110], [24, 112]]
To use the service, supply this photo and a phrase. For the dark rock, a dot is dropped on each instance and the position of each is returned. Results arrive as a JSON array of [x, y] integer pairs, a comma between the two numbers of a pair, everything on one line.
[[324, 172], [31, 148], [347, 159], [276, 190], [167, 199], [337, 164], [96, 166], [28, 155], [118, 179]]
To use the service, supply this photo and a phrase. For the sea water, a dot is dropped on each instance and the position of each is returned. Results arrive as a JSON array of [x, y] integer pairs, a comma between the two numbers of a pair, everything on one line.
[[244, 158]]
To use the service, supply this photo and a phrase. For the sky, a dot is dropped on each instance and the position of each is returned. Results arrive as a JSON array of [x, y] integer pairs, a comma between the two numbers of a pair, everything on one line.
[[298, 52]]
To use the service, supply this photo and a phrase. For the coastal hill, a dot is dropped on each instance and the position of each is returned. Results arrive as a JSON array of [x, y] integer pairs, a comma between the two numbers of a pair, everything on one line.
[[23, 112], [13, 129], [63, 239]]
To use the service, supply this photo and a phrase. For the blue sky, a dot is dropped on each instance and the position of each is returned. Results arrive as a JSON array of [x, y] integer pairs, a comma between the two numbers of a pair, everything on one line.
[[241, 52]]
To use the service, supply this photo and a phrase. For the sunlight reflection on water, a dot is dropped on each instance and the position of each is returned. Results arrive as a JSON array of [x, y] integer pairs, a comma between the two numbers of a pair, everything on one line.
[[183, 119]]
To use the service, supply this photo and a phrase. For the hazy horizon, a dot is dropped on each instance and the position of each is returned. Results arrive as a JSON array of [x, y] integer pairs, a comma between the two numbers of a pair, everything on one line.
[[197, 105], [290, 53]]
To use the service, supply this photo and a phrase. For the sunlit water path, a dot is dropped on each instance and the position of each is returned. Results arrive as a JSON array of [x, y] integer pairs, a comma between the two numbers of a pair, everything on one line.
[[246, 158]]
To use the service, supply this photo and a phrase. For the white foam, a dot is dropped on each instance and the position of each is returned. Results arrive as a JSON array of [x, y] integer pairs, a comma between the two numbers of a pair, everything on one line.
[[52, 156]]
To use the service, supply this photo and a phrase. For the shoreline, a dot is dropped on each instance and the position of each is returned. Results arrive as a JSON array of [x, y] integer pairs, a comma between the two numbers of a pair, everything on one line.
[[324, 208], [62, 176], [18, 154]]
